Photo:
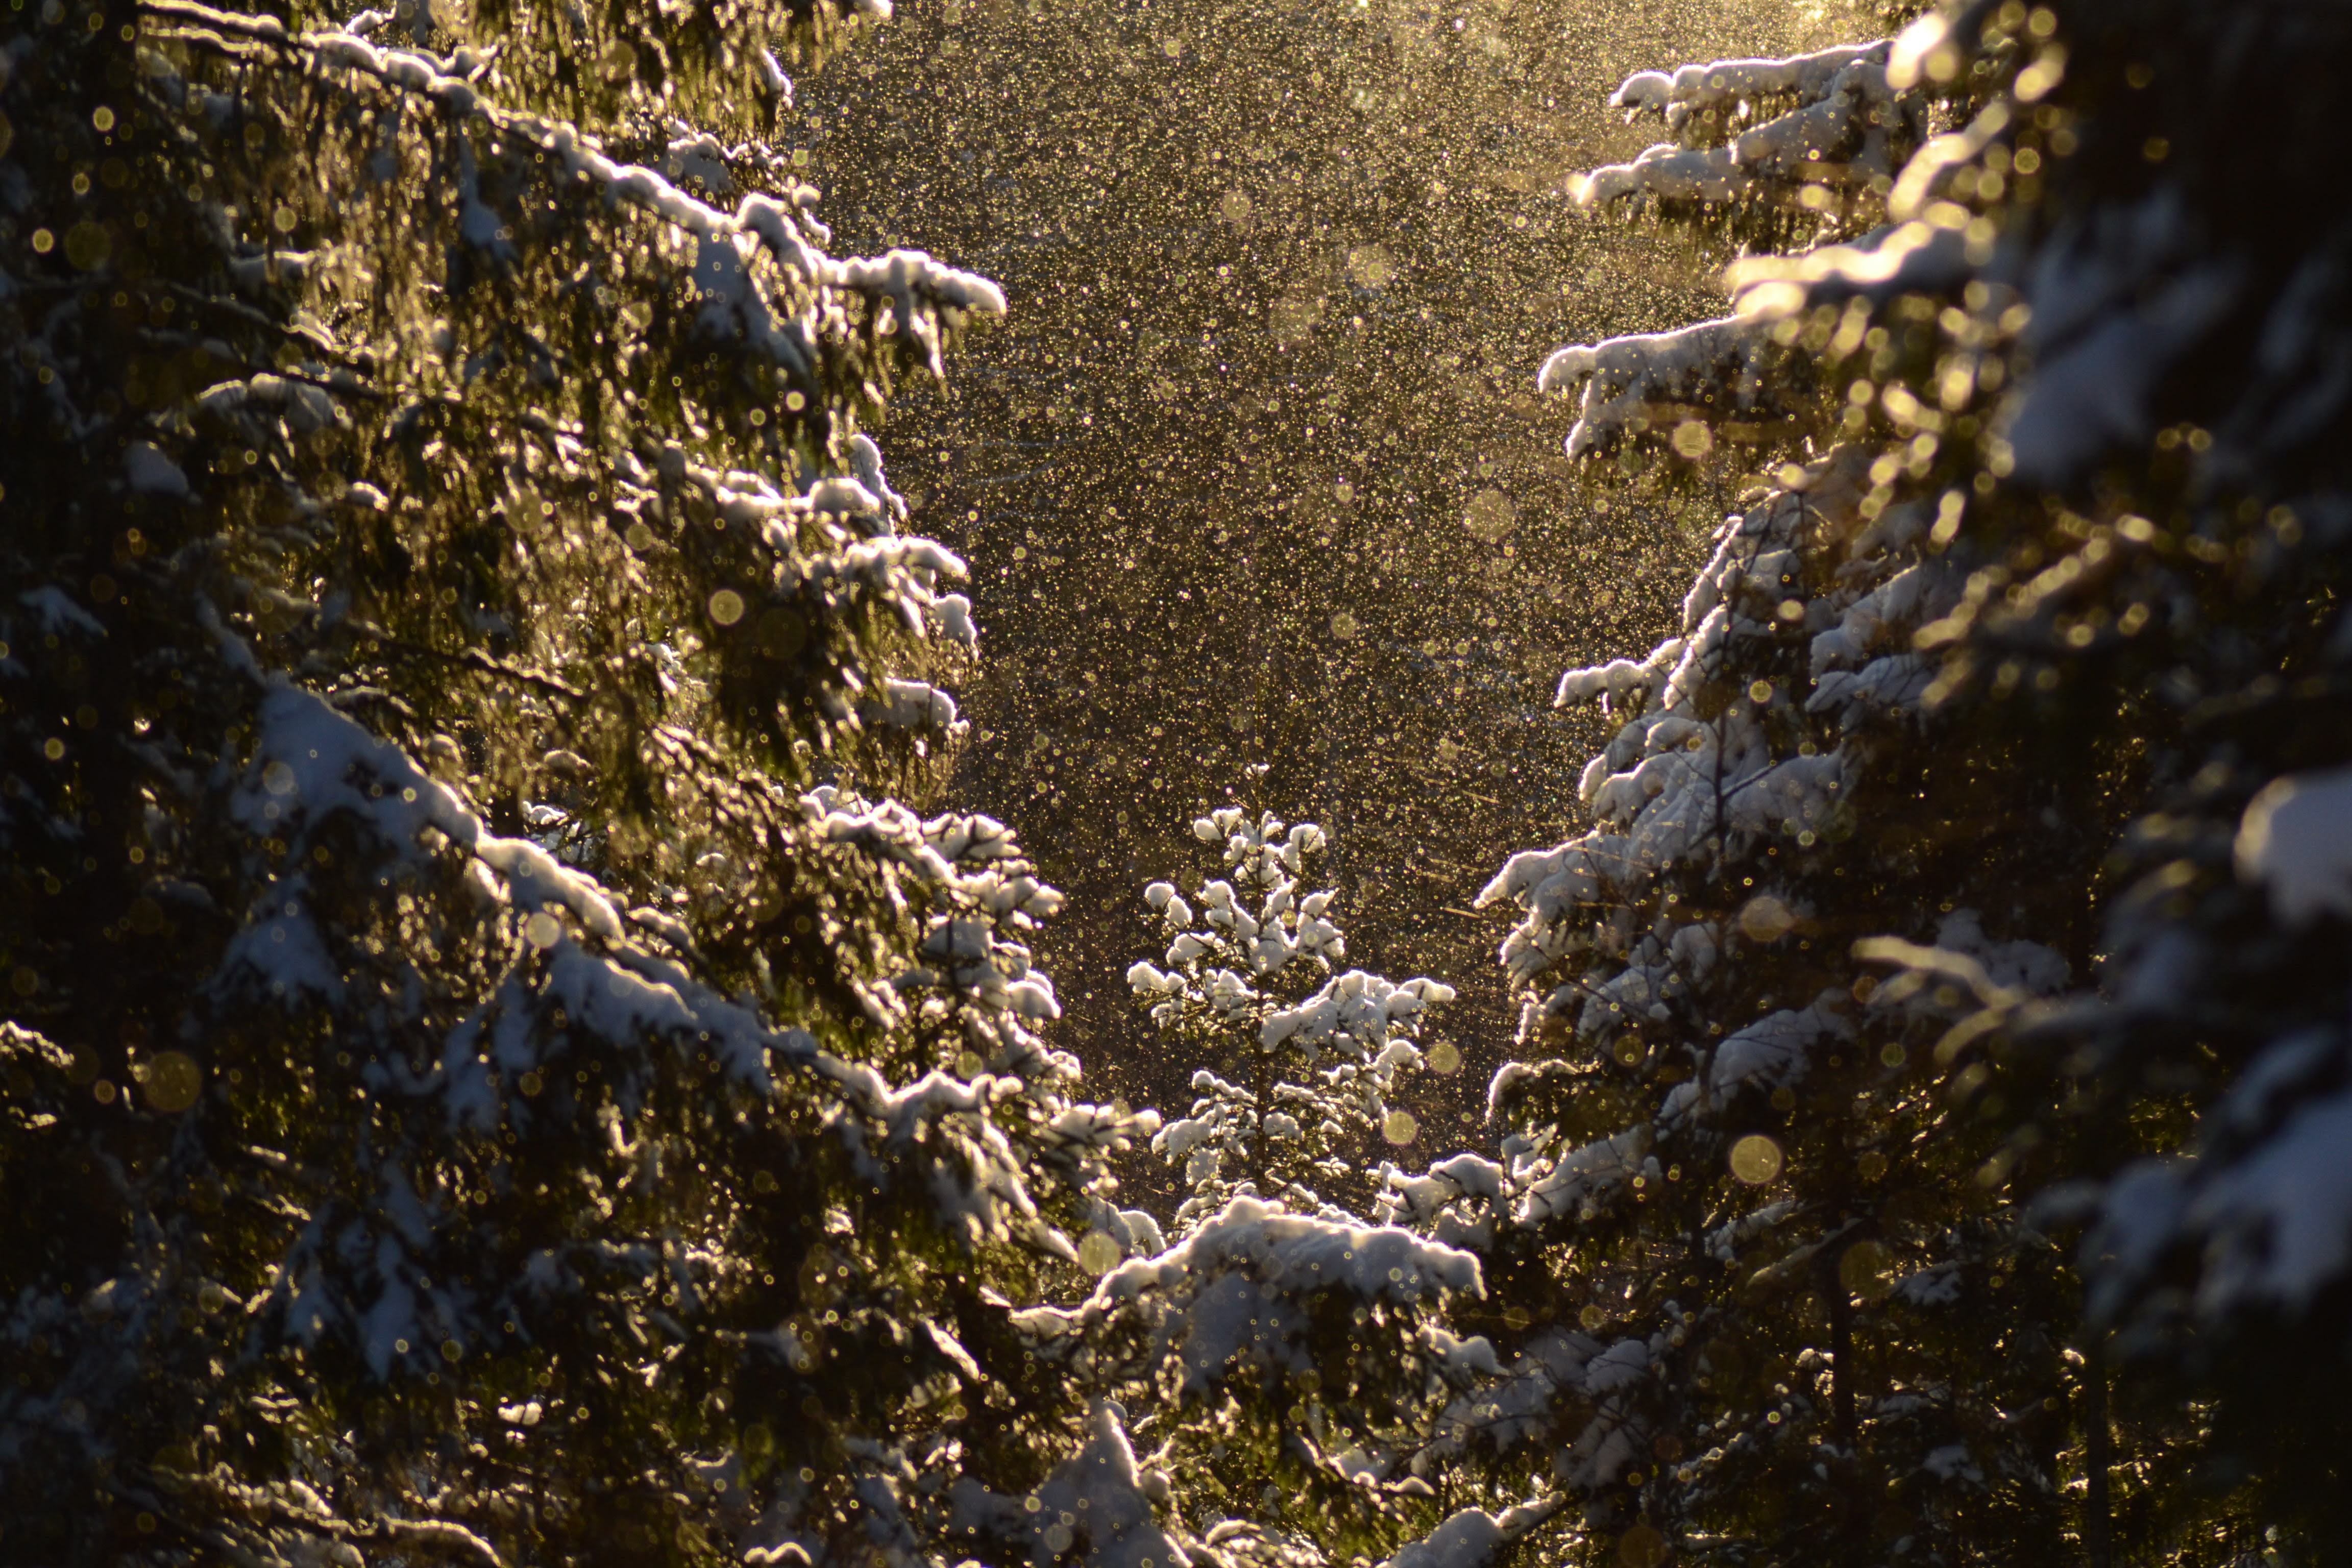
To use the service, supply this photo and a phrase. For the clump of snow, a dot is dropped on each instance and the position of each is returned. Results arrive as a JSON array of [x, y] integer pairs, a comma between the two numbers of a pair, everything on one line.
[[1238, 1290], [1471, 1538], [2295, 841], [1107, 1492], [1582, 1175], [1456, 1200], [148, 471], [915, 705]]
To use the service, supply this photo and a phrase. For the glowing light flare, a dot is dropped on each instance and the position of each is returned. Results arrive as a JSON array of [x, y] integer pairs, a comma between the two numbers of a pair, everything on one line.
[[1756, 1158], [172, 1081]]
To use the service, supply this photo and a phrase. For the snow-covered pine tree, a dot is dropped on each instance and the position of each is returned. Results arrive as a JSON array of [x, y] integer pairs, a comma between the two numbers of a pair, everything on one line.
[[1735, 1136], [1295, 1095], [482, 1083], [2157, 575], [1284, 1356], [2044, 594]]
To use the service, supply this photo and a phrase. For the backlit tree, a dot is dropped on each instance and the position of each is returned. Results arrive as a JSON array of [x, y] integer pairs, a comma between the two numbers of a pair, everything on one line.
[[490, 1074], [1296, 1092], [1956, 869]]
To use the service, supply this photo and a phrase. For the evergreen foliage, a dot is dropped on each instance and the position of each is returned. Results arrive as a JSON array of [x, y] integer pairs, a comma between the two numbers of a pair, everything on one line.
[[483, 1084], [493, 1075], [1273, 1120], [1959, 873], [1285, 1356]]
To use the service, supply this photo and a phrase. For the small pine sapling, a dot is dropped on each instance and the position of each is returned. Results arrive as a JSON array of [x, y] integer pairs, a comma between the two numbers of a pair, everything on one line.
[[1300, 1082]]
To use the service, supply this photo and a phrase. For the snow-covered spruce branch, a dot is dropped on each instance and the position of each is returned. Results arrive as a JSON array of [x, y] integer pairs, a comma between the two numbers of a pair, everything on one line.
[[1805, 132], [313, 765], [293, 1517], [1771, 152], [1634, 384], [1239, 1293], [914, 285]]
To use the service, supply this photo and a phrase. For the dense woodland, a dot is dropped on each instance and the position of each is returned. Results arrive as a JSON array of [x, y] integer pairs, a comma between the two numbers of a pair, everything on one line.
[[516, 1054]]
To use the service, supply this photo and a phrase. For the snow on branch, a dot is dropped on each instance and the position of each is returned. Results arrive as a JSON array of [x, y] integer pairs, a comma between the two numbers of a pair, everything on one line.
[[1101, 1487], [1557, 1372], [1611, 682], [311, 761], [1295, 1253], [1456, 1200], [1241, 1290], [1795, 129], [2295, 842], [1809, 79], [1628, 381], [1471, 1538], [837, 538], [911, 286], [2261, 1199], [1915, 257]]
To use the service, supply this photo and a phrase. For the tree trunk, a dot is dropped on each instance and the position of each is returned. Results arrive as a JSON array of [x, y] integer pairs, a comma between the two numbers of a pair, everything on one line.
[[1841, 1369], [1262, 1085], [2098, 1531]]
